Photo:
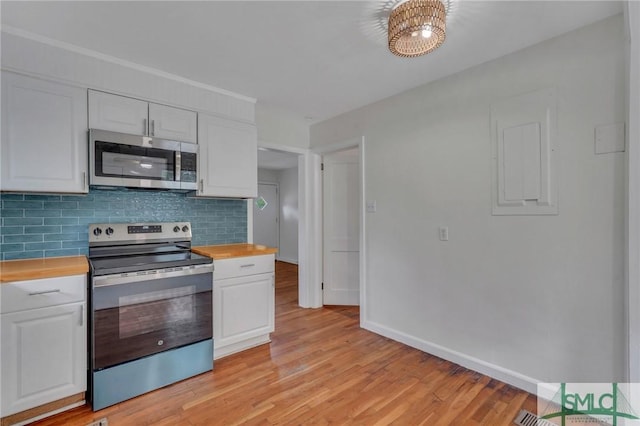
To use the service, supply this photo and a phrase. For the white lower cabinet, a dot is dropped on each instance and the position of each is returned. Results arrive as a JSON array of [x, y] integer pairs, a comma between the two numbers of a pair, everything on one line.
[[44, 347], [243, 303]]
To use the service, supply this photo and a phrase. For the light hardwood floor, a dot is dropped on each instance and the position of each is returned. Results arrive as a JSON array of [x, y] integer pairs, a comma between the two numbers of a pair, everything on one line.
[[321, 368]]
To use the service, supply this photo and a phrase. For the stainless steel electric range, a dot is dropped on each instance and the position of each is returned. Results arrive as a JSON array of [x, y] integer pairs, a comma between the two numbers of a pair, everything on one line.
[[151, 306]]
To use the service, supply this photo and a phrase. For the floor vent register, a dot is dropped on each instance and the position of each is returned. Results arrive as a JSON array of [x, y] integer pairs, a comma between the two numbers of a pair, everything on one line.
[[101, 422], [527, 418]]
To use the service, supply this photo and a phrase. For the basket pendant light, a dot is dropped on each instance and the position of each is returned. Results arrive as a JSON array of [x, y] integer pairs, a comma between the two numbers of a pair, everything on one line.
[[416, 27]]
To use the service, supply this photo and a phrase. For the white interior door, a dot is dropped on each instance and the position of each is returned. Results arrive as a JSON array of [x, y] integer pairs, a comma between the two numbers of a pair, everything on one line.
[[341, 205], [265, 215]]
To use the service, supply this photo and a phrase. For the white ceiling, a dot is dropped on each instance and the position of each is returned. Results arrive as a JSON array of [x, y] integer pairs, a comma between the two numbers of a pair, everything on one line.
[[315, 58]]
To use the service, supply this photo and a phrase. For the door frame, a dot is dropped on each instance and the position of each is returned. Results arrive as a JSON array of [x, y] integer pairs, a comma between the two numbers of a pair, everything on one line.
[[358, 142], [277, 212], [308, 222]]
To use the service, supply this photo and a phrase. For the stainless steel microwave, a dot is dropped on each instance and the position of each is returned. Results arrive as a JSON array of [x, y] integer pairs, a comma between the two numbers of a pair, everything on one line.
[[120, 159]]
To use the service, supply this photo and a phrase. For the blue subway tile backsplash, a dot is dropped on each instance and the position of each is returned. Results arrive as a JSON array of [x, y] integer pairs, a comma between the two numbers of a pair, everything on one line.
[[35, 225]]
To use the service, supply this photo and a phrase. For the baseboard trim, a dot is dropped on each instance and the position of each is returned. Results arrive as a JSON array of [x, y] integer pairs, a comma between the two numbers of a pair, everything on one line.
[[510, 377], [233, 348], [44, 411]]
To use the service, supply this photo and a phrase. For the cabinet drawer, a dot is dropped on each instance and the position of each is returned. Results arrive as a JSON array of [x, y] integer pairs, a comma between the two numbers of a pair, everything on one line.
[[241, 266], [21, 295]]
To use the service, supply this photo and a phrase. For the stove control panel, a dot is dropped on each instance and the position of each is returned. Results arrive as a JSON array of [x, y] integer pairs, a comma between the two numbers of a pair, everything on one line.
[[144, 229], [116, 232]]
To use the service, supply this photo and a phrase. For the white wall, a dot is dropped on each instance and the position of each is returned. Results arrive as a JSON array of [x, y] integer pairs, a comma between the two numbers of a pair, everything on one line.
[[289, 215], [280, 127], [522, 298], [287, 180], [633, 217], [268, 176]]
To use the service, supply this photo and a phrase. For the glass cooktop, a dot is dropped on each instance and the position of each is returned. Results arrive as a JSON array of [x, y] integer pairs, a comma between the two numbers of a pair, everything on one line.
[[145, 262]]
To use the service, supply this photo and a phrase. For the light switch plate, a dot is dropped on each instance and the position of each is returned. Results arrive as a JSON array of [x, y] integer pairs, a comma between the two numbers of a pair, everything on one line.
[[371, 206], [443, 232]]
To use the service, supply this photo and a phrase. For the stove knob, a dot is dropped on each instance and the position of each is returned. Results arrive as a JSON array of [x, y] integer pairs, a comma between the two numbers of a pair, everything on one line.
[[97, 231], [109, 231], [176, 229], [185, 228]]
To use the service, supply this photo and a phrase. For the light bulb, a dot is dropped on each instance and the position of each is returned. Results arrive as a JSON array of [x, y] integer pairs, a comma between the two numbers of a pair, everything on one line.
[[426, 32], [414, 34]]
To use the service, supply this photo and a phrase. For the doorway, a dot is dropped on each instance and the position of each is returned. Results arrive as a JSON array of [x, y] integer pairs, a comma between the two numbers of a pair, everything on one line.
[[266, 209], [276, 217]]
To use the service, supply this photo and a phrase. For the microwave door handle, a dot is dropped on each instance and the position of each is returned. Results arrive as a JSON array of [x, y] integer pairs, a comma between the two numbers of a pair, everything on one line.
[[178, 160]]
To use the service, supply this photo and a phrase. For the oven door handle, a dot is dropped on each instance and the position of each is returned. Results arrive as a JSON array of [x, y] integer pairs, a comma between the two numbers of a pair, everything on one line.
[[131, 277]]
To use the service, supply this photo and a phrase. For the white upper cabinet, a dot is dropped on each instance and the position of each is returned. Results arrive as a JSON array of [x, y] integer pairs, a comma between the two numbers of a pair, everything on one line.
[[172, 123], [117, 113], [133, 116], [228, 158], [44, 136]]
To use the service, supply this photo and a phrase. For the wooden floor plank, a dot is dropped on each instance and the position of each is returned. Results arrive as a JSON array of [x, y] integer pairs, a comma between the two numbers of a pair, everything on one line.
[[320, 368]]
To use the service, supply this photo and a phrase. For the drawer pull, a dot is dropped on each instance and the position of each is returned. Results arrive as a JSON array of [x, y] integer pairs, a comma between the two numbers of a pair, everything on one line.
[[248, 265], [38, 293]]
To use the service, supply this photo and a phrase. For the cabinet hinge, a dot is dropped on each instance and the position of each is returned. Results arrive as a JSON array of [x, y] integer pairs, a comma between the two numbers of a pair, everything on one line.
[[322, 286], [322, 167]]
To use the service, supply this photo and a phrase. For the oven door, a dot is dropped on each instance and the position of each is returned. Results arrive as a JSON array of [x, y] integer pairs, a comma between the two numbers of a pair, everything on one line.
[[139, 315], [119, 159]]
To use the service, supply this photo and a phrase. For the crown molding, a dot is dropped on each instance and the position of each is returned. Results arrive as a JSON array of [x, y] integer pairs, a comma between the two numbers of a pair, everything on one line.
[[122, 62]]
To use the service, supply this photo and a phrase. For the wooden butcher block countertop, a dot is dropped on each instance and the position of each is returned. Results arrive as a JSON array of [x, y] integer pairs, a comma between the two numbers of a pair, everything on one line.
[[34, 269], [228, 251]]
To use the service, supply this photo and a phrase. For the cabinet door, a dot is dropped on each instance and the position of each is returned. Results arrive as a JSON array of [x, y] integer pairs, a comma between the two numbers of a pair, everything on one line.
[[44, 356], [243, 308], [118, 113], [228, 158], [44, 136], [172, 123]]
